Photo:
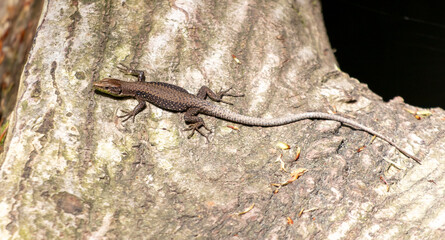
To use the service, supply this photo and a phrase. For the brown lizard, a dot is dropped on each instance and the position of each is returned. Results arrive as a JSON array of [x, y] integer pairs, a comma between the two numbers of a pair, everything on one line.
[[174, 98]]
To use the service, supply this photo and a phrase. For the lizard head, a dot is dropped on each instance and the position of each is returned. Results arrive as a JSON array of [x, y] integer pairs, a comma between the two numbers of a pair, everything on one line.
[[109, 86]]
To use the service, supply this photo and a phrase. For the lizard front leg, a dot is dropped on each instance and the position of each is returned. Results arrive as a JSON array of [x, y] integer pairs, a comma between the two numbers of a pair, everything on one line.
[[195, 122], [217, 97], [133, 72], [141, 105]]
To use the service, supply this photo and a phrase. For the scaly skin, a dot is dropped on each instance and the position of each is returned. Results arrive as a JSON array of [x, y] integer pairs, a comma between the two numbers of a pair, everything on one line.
[[173, 98]]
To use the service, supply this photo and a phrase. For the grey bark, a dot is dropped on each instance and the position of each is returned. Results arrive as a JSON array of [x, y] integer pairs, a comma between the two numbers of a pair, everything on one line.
[[72, 169]]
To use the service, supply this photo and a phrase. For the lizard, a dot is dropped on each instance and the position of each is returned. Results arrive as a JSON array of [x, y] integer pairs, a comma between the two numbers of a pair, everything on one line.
[[176, 99]]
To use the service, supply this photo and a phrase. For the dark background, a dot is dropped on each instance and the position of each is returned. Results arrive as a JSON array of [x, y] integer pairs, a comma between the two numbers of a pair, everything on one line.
[[396, 47]]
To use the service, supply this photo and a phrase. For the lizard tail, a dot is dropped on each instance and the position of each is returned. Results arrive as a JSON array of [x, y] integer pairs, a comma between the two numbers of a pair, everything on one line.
[[270, 122]]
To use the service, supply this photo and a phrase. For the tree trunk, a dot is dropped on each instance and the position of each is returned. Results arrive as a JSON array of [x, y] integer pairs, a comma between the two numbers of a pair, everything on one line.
[[72, 169]]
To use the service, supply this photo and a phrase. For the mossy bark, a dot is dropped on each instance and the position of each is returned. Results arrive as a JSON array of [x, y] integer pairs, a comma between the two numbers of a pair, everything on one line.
[[72, 169]]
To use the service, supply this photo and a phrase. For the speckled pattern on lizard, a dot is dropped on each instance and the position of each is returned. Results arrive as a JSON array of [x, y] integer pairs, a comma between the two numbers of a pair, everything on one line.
[[174, 98]]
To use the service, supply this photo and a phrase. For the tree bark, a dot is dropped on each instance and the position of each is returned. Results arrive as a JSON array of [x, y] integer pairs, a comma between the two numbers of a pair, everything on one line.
[[72, 169]]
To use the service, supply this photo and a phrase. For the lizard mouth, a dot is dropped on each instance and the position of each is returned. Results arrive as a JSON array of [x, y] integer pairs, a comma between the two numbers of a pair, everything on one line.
[[109, 86]]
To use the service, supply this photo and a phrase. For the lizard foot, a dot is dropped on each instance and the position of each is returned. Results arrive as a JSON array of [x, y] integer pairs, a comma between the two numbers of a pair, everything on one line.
[[130, 71], [223, 93], [127, 115], [197, 127]]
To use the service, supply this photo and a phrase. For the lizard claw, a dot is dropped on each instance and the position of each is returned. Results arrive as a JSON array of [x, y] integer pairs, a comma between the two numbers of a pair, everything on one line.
[[196, 127], [223, 93], [124, 68], [130, 71], [127, 115]]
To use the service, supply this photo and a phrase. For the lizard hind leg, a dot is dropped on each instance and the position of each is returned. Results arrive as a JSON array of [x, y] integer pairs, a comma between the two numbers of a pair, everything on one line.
[[217, 97], [195, 123]]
